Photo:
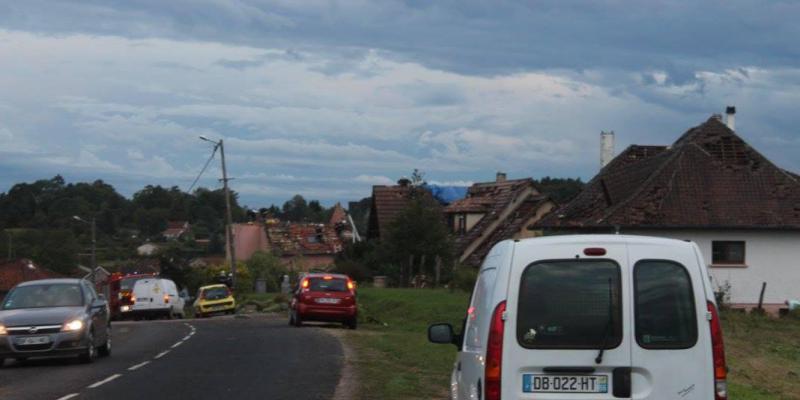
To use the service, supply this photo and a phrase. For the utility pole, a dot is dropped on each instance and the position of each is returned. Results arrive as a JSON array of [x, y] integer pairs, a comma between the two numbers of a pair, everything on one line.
[[228, 216], [93, 224]]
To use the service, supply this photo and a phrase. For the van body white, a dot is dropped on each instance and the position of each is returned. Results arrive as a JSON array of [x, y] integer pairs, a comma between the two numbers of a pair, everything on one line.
[[542, 309], [155, 297]]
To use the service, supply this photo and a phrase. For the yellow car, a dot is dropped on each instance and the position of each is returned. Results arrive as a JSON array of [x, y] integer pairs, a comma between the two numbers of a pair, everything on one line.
[[214, 299]]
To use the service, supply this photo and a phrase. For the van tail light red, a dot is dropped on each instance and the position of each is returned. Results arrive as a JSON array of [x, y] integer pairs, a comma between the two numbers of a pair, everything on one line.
[[494, 354], [166, 298], [718, 349], [594, 251]]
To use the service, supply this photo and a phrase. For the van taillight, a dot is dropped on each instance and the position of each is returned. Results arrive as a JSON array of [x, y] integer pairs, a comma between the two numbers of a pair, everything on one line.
[[718, 349], [494, 354], [166, 298]]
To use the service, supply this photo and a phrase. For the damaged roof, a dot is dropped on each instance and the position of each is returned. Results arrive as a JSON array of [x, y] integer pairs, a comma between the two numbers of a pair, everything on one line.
[[506, 207], [709, 178], [388, 201], [304, 239]]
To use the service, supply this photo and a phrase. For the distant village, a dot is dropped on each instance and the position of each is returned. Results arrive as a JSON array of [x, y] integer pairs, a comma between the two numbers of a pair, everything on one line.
[[709, 186]]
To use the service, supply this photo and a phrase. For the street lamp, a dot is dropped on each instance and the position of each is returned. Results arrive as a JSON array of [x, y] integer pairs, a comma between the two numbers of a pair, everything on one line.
[[94, 239], [229, 236]]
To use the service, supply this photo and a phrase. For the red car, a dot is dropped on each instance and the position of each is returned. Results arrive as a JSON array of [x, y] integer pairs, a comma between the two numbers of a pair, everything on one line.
[[325, 298]]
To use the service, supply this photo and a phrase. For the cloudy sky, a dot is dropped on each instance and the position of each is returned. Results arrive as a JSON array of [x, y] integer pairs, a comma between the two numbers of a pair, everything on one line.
[[326, 99]]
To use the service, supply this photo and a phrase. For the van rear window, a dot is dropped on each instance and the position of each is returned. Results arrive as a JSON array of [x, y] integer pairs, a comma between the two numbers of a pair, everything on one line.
[[665, 309], [570, 304]]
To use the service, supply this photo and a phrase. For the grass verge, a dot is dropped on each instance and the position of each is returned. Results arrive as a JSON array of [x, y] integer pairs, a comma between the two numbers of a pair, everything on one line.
[[395, 360]]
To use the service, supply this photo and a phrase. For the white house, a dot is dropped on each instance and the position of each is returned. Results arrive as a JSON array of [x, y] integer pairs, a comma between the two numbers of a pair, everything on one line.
[[709, 187]]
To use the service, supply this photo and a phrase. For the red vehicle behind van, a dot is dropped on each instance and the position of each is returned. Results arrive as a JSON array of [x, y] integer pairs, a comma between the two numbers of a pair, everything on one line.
[[325, 298]]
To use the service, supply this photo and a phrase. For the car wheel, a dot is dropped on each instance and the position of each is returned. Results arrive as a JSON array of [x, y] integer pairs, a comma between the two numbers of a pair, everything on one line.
[[2, 362], [352, 324], [105, 349], [298, 322], [90, 353]]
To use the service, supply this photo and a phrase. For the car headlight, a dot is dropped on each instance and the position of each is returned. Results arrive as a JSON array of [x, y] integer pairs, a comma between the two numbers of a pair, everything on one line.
[[3, 330], [73, 326]]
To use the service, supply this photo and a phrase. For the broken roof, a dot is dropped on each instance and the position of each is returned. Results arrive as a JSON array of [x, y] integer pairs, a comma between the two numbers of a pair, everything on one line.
[[709, 178], [296, 239], [506, 207]]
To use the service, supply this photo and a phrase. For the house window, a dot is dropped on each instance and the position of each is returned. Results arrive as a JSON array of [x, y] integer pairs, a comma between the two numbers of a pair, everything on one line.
[[727, 253], [461, 219]]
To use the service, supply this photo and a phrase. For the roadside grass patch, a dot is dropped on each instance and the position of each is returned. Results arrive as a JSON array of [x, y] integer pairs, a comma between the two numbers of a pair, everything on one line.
[[395, 360]]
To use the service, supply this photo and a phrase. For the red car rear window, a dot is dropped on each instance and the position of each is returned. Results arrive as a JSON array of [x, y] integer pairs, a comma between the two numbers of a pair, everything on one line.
[[327, 285]]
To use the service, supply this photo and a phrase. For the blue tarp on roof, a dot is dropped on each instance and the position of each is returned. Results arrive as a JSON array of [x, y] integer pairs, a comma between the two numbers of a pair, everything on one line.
[[447, 194]]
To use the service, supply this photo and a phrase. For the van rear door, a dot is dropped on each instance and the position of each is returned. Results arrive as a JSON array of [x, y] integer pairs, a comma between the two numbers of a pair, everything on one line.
[[563, 307], [671, 354]]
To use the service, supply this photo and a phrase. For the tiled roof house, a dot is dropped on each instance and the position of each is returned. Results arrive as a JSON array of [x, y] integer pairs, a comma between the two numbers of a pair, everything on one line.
[[388, 201], [492, 212], [713, 188]]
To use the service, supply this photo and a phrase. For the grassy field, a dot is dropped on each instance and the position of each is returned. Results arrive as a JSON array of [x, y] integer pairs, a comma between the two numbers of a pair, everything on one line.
[[395, 360]]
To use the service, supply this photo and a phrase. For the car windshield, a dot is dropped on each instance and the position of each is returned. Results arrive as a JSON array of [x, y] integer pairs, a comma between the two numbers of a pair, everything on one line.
[[38, 296], [216, 293], [327, 285]]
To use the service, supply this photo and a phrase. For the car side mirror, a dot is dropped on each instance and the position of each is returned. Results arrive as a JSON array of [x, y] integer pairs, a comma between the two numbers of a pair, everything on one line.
[[99, 303], [101, 297], [441, 334]]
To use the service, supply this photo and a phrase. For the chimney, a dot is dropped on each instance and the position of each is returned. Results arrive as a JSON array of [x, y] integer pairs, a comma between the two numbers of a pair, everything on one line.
[[730, 117], [501, 177], [606, 147], [404, 182]]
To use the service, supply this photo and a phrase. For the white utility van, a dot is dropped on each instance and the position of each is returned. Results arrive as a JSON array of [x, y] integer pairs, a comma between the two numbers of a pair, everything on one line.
[[589, 317], [155, 297]]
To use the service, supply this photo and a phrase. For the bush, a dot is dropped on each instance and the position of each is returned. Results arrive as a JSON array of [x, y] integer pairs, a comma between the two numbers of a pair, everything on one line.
[[464, 278], [266, 266]]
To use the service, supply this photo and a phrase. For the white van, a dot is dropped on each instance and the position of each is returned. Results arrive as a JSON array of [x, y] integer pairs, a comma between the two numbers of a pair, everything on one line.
[[589, 317], [155, 297]]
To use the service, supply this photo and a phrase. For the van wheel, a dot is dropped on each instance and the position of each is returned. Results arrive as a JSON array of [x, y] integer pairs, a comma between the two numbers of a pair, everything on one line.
[[105, 349], [90, 354]]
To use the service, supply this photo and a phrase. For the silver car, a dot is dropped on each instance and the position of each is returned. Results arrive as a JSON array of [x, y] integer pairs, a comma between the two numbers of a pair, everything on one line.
[[54, 317]]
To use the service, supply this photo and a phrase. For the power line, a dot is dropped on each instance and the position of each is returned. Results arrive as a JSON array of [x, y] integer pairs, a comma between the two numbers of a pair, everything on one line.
[[203, 170]]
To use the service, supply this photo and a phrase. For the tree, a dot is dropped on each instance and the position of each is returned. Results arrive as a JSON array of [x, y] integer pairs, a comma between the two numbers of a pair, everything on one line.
[[296, 209], [418, 231], [266, 266]]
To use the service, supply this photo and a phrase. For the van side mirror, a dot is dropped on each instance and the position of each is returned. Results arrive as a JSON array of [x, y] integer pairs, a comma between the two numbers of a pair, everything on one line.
[[441, 334]]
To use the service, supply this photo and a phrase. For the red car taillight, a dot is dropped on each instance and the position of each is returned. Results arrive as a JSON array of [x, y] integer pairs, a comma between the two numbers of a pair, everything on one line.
[[718, 349], [494, 354]]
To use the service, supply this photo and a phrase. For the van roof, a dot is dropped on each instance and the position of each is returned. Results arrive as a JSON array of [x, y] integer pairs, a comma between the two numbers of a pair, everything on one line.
[[597, 239]]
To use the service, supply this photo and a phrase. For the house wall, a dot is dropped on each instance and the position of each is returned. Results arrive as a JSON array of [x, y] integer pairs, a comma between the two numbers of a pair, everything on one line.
[[770, 256], [473, 219]]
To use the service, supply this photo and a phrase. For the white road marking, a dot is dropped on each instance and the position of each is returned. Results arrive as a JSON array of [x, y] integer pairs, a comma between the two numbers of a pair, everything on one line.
[[137, 366], [186, 338], [162, 354], [177, 344], [104, 381], [69, 396]]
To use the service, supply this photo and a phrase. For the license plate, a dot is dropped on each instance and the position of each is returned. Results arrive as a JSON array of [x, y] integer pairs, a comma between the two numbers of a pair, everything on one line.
[[532, 383], [25, 341], [326, 300], [218, 307], [143, 299]]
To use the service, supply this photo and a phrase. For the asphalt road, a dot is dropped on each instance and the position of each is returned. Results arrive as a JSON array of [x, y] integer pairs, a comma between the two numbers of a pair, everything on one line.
[[220, 358]]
